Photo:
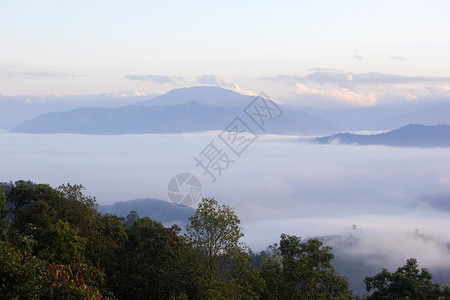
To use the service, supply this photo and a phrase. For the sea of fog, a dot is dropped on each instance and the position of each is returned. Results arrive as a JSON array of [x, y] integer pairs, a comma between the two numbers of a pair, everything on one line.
[[279, 184]]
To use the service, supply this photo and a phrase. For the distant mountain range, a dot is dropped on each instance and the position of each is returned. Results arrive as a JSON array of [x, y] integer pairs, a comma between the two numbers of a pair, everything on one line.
[[16, 109], [184, 110], [203, 108], [165, 212], [408, 136]]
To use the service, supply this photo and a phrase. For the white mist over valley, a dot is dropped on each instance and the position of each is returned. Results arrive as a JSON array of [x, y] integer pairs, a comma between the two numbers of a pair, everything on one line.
[[279, 184]]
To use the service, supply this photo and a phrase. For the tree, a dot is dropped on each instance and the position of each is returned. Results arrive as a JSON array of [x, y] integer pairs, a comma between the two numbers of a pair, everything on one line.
[[23, 192], [57, 232], [3, 214], [24, 276], [133, 215], [408, 282], [150, 265], [74, 281], [62, 244], [246, 282], [58, 219], [302, 270], [214, 231], [21, 273]]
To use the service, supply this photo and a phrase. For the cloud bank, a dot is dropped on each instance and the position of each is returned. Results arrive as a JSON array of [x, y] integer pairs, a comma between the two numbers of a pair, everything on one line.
[[322, 76], [330, 88], [277, 185], [330, 97]]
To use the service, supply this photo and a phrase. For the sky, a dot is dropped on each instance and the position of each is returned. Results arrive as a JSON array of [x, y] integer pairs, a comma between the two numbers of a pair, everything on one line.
[[318, 53]]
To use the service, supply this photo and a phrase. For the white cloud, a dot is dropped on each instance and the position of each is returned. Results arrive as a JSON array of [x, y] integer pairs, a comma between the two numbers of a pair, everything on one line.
[[370, 78], [342, 95], [328, 76], [125, 94], [223, 82], [333, 89], [439, 88]]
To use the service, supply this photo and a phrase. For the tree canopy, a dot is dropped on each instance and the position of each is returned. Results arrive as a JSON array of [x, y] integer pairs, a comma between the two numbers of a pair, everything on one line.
[[54, 244], [408, 282], [302, 270]]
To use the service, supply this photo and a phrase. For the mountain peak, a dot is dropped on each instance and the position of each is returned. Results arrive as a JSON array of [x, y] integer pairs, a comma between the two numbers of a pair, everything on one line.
[[210, 95], [192, 109]]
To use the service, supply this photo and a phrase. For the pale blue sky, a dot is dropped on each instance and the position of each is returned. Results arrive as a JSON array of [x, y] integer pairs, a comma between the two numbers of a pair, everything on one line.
[[88, 47]]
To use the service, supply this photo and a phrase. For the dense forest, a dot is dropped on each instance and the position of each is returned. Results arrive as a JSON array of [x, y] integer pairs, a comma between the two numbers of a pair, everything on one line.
[[54, 244]]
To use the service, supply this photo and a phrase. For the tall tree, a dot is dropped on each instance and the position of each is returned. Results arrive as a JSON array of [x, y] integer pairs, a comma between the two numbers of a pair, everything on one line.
[[214, 231]]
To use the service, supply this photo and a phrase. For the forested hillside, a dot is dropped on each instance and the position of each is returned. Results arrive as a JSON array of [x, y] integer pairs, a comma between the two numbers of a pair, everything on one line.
[[54, 244]]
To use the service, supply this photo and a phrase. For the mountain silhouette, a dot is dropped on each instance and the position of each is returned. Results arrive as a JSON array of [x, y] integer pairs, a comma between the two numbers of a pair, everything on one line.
[[413, 135], [165, 212], [206, 108]]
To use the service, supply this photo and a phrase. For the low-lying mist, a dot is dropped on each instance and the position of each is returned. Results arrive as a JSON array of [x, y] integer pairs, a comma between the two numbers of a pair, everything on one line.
[[278, 185]]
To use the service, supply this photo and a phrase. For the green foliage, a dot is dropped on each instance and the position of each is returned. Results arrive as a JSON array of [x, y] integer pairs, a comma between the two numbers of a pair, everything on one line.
[[148, 256], [110, 241], [272, 273], [74, 194], [24, 276], [133, 215], [152, 263], [4, 222], [214, 232], [302, 270], [62, 243], [246, 281], [75, 281], [53, 229], [22, 193], [21, 273], [408, 282], [59, 247]]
